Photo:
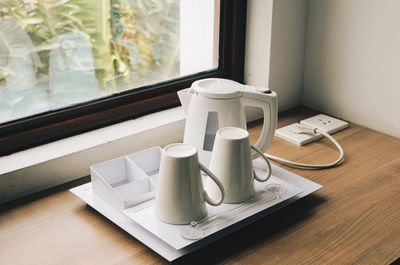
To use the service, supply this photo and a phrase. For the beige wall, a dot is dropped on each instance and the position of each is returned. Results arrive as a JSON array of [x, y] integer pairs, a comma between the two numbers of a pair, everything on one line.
[[289, 20], [352, 61], [275, 42], [258, 42]]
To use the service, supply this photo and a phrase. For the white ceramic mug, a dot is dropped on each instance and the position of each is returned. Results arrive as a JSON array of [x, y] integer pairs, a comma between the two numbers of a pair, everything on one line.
[[231, 162], [180, 195]]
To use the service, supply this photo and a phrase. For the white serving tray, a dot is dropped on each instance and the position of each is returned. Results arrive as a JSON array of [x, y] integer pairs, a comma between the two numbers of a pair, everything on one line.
[[85, 193], [144, 215]]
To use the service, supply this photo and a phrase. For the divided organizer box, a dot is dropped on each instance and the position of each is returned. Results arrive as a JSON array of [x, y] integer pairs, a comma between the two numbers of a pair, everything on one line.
[[126, 181], [123, 190]]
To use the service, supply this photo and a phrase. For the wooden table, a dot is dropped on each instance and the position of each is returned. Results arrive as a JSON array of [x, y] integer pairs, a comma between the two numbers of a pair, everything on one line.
[[354, 219]]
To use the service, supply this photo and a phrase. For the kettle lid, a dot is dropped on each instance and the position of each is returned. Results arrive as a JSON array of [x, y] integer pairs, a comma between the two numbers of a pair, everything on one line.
[[218, 88]]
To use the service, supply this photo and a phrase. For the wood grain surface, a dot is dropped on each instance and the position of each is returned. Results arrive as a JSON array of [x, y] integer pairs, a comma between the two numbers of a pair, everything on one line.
[[354, 219]]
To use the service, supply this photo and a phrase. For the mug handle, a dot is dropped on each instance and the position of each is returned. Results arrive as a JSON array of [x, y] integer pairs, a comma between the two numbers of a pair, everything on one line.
[[219, 184], [268, 166]]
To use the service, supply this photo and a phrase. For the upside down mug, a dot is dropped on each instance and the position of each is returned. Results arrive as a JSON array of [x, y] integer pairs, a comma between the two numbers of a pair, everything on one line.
[[231, 162], [180, 196]]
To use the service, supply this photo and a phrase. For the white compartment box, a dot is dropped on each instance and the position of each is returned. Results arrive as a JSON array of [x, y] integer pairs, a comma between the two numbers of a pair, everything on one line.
[[129, 180], [148, 160]]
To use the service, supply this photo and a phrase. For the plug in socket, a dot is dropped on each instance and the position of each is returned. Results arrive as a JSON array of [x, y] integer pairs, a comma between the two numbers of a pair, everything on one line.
[[293, 133]]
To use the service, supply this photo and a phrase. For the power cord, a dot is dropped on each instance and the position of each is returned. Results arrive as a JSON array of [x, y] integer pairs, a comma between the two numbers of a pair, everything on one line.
[[312, 131]]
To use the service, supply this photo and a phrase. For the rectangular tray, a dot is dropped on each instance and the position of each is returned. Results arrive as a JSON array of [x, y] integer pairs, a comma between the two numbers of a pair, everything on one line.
[[85, 193], [144, 215]]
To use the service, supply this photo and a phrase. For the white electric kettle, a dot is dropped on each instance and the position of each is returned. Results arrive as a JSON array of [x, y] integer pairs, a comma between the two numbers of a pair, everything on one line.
[[215, 103]]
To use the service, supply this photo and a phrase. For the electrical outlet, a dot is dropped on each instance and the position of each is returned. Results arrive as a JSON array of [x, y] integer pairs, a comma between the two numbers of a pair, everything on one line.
[[295, 133], [325, 123]]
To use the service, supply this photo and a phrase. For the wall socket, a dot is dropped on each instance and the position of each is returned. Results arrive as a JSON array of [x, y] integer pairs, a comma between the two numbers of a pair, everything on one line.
[[297, 134], [325, 123]]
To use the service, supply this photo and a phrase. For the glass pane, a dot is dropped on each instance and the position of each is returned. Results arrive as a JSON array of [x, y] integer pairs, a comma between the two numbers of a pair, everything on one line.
[[56, 53]]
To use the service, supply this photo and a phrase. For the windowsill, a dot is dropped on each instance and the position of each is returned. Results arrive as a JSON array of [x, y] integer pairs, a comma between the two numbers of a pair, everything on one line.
[[39, 168], [58, 162]]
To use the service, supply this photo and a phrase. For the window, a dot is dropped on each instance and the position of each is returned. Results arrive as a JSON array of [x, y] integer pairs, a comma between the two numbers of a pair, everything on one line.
[[69, 66]]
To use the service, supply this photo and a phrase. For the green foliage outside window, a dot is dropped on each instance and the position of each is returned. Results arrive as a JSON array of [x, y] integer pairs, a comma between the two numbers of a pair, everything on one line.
[[106, 45]]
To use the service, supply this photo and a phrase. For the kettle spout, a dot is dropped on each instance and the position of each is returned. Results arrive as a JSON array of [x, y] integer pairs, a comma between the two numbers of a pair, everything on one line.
[[185, 96]]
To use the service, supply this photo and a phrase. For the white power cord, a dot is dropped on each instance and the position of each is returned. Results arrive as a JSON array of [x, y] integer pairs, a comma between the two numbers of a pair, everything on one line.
[[308, 130]]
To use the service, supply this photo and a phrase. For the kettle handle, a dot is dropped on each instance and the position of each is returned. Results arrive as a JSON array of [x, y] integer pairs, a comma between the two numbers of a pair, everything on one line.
[[268, 103]]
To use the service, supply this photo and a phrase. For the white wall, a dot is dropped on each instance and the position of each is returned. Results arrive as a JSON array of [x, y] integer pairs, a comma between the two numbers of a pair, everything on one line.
[[258, 42], [288, 38], [258, 46], [352, 66], [275, 42]]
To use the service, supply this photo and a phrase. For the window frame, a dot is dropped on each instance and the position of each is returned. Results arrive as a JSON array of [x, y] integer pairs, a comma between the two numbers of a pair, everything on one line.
[[53, 125]]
